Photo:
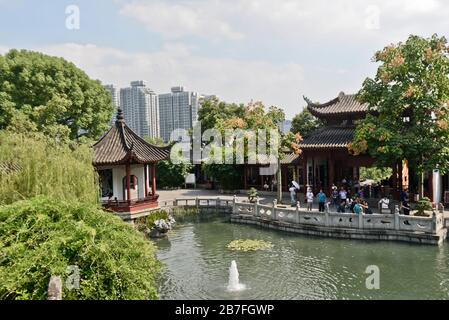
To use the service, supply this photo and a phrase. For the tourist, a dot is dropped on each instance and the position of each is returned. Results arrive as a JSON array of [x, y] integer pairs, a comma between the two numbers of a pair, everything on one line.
[[266, 186], [343, 194], [309, 197], [384, 205], [366, 208], [334, 196], [321, 200], [358, 209], [406, 207], [292, 190], [342, 206]]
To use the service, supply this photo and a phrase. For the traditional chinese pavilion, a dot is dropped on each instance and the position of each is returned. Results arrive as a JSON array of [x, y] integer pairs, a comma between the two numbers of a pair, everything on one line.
[[126, 164], [325, 157]]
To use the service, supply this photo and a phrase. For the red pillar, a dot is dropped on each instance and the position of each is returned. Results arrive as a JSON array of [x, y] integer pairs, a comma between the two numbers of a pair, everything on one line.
[[128, 182], [153, 176]]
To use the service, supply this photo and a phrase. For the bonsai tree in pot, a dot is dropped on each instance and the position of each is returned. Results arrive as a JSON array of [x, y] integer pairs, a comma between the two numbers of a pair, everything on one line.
[[252, 195], [423, 205]]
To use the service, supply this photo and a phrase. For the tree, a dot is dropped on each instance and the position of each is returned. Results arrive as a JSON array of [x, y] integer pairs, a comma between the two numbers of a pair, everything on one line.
[[157, 141], [376, 174], [408, 106], [304, 123], [33, 166], [45, 236], [51, 95], [254, 116], [213, 111], [171, 174]]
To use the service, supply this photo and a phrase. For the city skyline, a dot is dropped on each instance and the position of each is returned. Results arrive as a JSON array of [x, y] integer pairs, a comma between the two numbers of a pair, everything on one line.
[[264, 50]]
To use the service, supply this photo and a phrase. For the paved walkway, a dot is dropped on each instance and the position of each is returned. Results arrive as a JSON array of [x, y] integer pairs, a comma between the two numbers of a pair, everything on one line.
[[201, 193]]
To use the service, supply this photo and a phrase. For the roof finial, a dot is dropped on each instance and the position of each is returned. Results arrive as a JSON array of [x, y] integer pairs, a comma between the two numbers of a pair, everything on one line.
[[120, 116]]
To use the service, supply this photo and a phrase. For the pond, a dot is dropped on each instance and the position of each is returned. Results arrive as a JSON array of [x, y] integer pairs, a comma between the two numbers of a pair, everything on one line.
[[296, 267]]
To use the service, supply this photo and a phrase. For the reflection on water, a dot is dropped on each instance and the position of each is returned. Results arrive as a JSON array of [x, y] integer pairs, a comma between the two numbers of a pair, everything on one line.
[[297, 267]]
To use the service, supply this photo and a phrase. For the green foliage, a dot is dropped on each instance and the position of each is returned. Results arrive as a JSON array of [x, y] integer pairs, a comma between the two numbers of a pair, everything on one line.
[[50, 95], [229, 176], [249, 245], [171, 174], [304, 123], [158, 141], [149, 220], [213, 111], [409, 98], [42, 167], [252, 194], [375, 173], [41, 237], [423, 204]]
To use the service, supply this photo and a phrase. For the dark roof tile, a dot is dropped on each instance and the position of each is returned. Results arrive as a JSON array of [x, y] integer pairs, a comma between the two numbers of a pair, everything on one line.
[[120, 145]]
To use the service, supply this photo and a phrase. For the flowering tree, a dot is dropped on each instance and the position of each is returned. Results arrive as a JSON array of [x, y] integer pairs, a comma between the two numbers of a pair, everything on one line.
[[409, 106]]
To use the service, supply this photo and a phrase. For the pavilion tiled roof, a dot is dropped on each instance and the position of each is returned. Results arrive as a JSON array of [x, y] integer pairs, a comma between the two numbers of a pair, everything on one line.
[[291, 158], [344, 104], [121, 145], [329, 137]]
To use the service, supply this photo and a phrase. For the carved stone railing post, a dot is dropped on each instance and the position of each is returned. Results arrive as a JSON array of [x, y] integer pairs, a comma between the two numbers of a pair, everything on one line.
[[298, 205], [217, 204], [275, 202], [326, 215], [234, 200], [256, 205], [397, 225], [360, 216], [434, 227], [54, 288]]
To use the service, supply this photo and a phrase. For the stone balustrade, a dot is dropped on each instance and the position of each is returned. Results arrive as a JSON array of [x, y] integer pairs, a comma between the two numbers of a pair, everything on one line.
[[395, 226]]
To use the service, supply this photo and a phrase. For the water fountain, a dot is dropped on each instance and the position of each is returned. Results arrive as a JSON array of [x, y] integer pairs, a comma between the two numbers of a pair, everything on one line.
[[234, 284]]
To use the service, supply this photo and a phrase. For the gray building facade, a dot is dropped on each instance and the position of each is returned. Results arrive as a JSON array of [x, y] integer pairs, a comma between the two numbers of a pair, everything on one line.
[[140, 107], [177, 110]]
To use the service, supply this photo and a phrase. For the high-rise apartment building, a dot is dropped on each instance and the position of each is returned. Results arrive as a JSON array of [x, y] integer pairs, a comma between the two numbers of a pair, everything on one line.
[[115, 99], [177, 110], [140, 107]]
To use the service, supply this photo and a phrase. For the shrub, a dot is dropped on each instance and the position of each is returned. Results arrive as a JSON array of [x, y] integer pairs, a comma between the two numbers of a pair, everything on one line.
[[149, 220], [41, 166], [424, 204], [41, 237]]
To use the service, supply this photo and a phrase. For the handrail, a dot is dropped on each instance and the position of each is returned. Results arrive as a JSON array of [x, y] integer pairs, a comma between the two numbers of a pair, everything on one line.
[[297, 215]]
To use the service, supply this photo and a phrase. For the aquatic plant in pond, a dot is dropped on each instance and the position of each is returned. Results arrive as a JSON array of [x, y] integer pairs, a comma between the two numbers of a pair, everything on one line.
[[249, 245]]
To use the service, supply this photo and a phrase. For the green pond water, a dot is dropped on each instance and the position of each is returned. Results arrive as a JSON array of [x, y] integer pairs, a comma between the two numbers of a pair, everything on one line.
[[297, 267]]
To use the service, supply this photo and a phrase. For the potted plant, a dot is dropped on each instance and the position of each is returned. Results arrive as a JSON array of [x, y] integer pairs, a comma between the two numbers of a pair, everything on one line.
[[423, 205], [252, 195]]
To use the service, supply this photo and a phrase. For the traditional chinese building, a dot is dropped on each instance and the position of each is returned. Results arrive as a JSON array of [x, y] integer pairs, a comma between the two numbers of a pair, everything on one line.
[[325, 156], [126, 164]]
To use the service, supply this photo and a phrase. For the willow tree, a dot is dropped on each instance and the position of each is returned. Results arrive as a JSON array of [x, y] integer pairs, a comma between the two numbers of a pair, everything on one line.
[[51, 95], [408, 103], [255, 116]]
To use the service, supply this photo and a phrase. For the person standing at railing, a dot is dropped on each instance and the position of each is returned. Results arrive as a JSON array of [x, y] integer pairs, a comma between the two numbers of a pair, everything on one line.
[[321, 200], [358, 209], [292, 190], [309, 197]]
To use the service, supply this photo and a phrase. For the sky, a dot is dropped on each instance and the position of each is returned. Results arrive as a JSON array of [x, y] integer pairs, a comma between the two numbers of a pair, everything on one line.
[[274, 51]]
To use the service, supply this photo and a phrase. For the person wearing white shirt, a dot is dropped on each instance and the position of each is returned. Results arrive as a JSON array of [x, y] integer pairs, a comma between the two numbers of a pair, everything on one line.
[[309, 197], [384, 204]]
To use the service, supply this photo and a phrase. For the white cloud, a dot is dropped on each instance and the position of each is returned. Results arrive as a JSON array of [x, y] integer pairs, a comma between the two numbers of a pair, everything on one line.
[[232, 80], [176, 20], [287, 18]]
